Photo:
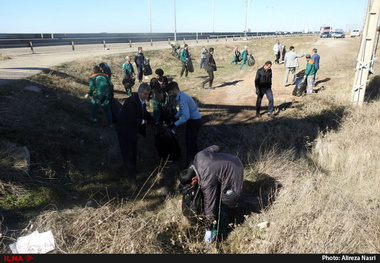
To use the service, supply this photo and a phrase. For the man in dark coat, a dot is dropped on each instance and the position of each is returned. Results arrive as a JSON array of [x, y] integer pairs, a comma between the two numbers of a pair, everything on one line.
[[210, 67], [159, 85], [132, 121], [220, 177], [263, 84], [139, 63]]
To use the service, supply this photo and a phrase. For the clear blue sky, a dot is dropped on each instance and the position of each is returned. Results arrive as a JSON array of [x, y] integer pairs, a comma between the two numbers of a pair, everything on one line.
[[131, 16]]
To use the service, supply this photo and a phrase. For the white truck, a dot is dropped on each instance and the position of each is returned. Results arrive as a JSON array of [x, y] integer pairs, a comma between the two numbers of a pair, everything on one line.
[[325, 31], [355, 32]]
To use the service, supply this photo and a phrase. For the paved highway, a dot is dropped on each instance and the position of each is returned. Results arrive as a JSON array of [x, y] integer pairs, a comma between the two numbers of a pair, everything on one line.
[[23, 63]]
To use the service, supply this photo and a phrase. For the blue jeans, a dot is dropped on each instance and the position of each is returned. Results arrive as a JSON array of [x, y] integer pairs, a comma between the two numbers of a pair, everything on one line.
[[314, 77], [269, 94], [203, 60]]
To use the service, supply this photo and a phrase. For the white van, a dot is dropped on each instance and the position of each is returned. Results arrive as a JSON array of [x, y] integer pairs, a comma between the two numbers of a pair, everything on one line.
[[355, 33]]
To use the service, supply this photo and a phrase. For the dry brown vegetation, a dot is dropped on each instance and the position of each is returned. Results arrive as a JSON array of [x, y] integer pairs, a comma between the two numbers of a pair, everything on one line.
[[312, 172]]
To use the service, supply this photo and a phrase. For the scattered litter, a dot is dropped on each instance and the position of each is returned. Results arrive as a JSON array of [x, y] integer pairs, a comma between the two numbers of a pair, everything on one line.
[[33, 88], [265, 224], [35, 243]]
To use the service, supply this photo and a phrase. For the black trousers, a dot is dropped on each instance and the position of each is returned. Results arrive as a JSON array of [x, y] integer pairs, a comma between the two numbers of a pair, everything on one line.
[[128, 150], [192, 131], [277, 59], [210, 78], [140, 73]]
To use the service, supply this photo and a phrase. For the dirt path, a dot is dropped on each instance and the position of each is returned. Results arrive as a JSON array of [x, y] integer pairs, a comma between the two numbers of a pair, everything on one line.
[[242, 93]]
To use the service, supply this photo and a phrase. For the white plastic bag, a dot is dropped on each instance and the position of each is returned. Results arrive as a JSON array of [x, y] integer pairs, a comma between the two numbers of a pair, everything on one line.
[[35, 243]]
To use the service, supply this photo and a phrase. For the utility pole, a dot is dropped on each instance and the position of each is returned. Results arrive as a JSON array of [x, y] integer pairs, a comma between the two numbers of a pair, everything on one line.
[[150, 19], [213, 29], [246, 18], [175, 24], [366, 54]]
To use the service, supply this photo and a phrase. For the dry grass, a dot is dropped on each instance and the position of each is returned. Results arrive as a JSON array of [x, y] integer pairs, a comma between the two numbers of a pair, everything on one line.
[[312, 173]]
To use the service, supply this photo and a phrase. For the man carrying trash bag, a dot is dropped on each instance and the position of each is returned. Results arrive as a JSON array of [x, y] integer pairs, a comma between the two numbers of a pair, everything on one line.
[[220, 178]]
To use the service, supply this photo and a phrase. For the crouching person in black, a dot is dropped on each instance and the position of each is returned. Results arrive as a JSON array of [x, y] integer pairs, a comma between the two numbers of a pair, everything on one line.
[[220, 179]]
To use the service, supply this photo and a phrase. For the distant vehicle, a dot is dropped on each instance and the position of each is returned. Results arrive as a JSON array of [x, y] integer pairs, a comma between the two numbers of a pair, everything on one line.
[[339, 33], [325, 35], [355, 33], [325, 31]]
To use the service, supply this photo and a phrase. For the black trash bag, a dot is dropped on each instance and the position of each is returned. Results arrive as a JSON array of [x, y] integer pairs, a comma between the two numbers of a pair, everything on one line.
[[251, 61], [190, 66], [238, 57], [128, 81], [300, 83], [166, 143], [192, 202], [147, 68]]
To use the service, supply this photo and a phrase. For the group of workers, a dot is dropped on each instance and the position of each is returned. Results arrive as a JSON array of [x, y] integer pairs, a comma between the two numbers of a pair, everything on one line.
[[218, 175]]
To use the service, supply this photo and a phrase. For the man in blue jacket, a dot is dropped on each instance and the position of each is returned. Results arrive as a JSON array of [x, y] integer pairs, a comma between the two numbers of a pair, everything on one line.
[[315, 56], [189, 113]]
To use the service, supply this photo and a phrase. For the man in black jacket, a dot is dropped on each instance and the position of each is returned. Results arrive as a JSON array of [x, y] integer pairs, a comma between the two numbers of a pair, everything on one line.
[[263, 84], [220, 177], [132, 121], [159, 85], [210, 67], [139, 63]]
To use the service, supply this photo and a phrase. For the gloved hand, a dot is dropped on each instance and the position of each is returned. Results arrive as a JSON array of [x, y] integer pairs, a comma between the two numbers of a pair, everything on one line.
[[171, 126], [86, 96], [257, 91], [208, 237]]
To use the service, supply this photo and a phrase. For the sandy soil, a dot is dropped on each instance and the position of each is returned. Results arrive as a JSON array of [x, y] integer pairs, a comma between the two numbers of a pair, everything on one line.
[[242, 93]]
